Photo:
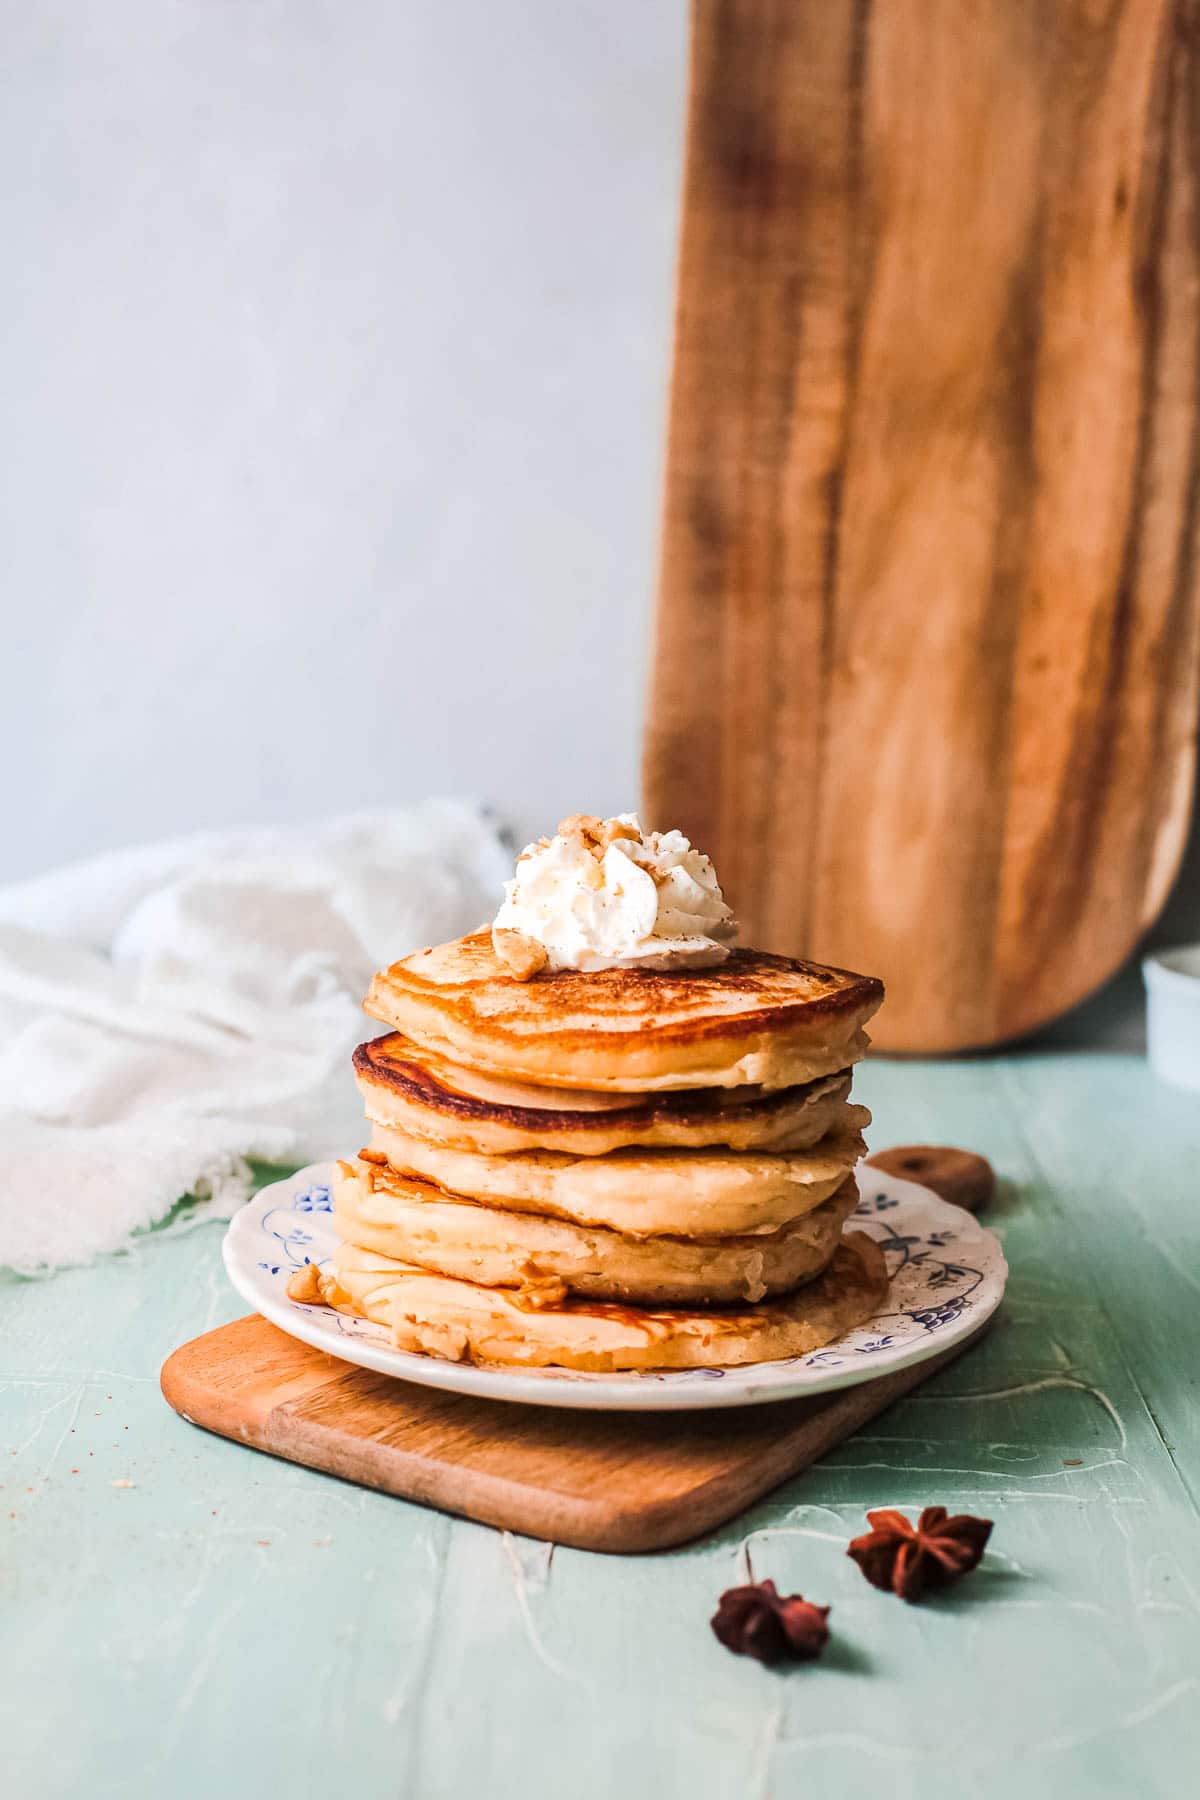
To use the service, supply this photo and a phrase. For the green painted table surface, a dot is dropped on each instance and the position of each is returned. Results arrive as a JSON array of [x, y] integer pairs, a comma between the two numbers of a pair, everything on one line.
[[183, 1617]]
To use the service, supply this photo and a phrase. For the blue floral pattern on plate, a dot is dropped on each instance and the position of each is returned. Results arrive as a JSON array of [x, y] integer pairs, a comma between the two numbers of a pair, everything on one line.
[[947, 1277]]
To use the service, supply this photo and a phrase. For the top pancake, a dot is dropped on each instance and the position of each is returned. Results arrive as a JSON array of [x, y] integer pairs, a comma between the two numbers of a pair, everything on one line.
[[754, 1018]]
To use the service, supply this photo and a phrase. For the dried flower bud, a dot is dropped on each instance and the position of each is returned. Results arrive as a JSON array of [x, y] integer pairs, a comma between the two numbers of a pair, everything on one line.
[[759, 1621], [907, 1561]]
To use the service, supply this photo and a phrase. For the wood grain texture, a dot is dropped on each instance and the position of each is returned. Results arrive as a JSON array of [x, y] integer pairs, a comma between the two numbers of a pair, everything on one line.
[[598, 1481], [928, 648]]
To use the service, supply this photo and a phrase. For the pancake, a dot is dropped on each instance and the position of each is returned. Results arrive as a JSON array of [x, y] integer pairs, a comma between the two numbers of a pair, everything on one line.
[[755, 1018], [414, 1221], [463, 1321], [643, 1193], [425, 1095]]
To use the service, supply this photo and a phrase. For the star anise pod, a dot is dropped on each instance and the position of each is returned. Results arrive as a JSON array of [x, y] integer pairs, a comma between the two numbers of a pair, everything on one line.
[[904, 1560], [759, 1621]]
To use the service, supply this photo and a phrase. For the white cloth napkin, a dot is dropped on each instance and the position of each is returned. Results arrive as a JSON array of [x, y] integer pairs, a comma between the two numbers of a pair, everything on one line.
[[168, 1012]]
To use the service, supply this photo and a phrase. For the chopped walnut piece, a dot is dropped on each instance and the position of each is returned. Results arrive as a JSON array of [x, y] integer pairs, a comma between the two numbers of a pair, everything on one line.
[[595, 834], [379, 1173], [585, 826], [305, 1286], [538, 1289], [614, 829], [376, 1170], [311, 1288], [522, 956]]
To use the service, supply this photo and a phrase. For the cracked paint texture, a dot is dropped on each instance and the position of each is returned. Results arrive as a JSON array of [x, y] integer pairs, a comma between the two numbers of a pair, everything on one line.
[[233, 1625]]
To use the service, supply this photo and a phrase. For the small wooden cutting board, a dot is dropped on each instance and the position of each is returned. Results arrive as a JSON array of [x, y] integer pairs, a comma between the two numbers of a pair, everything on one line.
[[596, 1480]]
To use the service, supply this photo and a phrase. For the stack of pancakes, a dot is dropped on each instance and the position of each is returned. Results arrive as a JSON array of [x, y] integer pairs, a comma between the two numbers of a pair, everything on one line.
[[613, 1170]]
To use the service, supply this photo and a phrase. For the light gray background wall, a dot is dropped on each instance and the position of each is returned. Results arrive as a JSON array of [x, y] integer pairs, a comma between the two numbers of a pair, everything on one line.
[[334, 341]]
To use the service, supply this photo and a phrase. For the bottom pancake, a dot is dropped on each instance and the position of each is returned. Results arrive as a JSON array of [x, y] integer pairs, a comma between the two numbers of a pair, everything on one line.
[[462, 1321], [416, 1222]]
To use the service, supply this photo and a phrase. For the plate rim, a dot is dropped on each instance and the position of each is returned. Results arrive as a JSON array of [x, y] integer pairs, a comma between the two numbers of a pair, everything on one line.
[[616, 1392]]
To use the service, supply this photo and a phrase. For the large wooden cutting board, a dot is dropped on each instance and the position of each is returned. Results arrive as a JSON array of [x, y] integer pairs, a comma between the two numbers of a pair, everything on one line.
[[927, 654]]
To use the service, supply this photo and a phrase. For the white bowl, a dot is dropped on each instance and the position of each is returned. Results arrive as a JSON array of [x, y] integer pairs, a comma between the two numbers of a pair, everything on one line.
[[1173, 1014]]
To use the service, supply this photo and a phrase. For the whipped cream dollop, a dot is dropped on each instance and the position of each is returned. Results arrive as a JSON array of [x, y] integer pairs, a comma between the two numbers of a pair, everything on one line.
[[604, 894]]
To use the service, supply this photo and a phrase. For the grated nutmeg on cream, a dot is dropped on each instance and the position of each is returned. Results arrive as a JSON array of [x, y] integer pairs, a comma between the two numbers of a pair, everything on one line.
[[604, 894]]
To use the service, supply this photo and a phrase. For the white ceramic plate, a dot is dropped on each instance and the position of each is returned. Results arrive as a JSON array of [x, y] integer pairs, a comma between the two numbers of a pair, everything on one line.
[[948, 1275]]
